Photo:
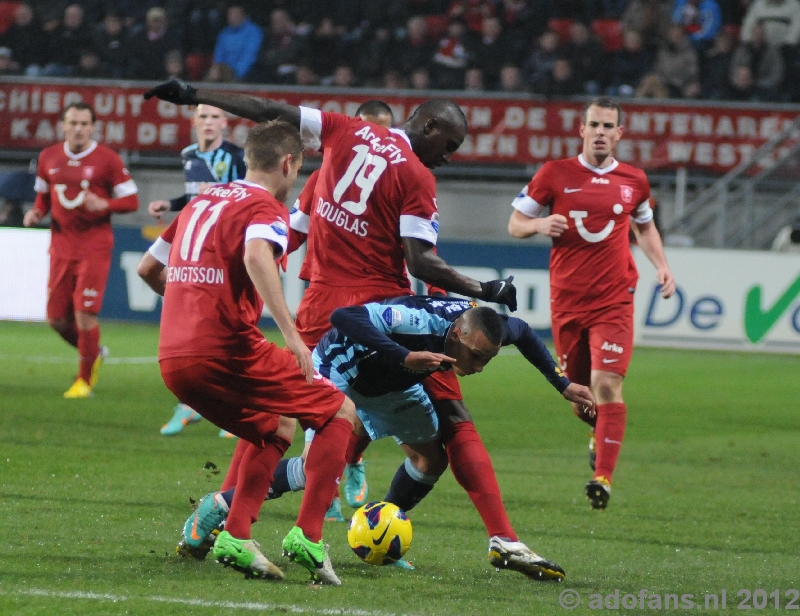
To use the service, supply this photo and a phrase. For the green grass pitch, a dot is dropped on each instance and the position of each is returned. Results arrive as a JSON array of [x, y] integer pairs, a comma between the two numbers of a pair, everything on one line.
[[705, 497]]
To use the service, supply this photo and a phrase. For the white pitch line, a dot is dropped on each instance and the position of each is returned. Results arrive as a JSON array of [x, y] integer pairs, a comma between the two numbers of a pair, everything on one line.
[[250, 606]]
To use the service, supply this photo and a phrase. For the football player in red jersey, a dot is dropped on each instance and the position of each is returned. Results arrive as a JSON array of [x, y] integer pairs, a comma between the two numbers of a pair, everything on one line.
[[375, 202], [215, 280], [592, 199], [81, 183]]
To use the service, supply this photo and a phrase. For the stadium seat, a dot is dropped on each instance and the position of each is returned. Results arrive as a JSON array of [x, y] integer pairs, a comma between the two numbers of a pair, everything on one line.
[[197, 65], [610, 33], [8, 10], [437, 26], [560, 27]]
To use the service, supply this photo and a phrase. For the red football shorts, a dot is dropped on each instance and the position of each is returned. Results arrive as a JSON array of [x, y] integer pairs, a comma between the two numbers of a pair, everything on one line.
[[599, 339], [320, 300], [77, 285], [245, 396]]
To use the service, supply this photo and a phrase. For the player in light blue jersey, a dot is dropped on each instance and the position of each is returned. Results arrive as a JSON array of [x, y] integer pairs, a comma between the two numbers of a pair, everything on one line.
[[379, 353], [211, 160]]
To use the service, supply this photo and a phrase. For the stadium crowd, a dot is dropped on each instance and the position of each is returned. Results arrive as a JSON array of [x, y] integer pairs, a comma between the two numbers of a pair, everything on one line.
[[742, 50]]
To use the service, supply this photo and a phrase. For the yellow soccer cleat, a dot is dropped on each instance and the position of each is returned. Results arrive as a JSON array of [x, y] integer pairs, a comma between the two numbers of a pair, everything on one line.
[[79, 389]]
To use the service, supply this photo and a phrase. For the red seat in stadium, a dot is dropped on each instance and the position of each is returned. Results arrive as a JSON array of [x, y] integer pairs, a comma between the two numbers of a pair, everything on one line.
[[197, 65], [610, 33], [437, 26], [8, 11], [561, 27]]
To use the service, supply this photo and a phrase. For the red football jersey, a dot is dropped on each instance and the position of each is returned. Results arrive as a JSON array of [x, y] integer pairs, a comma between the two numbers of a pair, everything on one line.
[[371, 191], [211, 307], [62, 181], [591, 264]]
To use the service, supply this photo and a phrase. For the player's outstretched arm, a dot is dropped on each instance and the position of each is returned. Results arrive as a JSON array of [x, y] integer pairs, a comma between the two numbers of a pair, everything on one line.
[[425, 264], [521, 226], [650, 242], [259, 259], [243, 105]]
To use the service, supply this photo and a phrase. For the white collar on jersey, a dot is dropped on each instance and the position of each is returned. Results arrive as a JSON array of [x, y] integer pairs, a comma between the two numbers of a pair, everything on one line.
[[614, 164], [92, 147], [402, 133], [251, 184]]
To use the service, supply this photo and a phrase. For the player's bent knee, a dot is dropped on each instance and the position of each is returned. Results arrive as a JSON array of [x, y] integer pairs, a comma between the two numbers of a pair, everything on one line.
[[348, 411], [287, 426]]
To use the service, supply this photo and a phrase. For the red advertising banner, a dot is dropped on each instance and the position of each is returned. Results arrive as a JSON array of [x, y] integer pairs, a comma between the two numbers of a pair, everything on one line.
[[517, 131]]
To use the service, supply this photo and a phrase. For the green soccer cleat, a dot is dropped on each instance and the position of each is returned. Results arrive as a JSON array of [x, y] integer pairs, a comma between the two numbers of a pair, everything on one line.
[[355, 484], [209, 514], [515, 555], [183, 415], [598, 491], [312, 556], [334, 513], [244, 555]]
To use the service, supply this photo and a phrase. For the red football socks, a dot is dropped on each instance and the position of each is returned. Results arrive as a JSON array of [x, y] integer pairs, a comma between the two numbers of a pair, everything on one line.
[[609, 432], [473, 470], [233, 469], [88, 349], [255, 476], [324, 466], [356, 448]]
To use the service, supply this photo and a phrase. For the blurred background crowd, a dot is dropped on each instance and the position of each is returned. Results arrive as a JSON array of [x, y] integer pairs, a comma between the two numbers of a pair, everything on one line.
[[739, 50]]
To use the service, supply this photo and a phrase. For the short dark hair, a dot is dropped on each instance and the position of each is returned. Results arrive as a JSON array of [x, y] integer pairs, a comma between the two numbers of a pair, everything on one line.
[[267, 143], [80, 106], [606, 102], [486, 320], [442, 109], [375, 108]]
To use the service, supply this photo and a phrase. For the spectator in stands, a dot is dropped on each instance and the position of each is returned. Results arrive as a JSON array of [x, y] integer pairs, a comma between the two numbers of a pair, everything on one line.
[[522, 21], [511, 79], [586, 55], [420, 79], [742, 84], [474, 80], [715, 67], [149, 47], [324, 49], [780, 19], [629, 65], [7, 64], [174, 65], [220, 73], [650, 18], [764, 62], [702, 20], [343, 77], [394, 80], [473, 12], [204, 20], [282, 50], [372, 59], [90, 67], [539, 64], [27, 41], [651, 87], [66, 43], [490, 50], [415, 49], [560, 82], [239, 43], [109, 41], [677, 64], [50, 13], [449, 63], [305, 75]]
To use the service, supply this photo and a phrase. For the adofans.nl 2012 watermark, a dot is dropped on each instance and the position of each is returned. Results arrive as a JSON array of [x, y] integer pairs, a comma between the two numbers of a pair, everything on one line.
[[644, 599]]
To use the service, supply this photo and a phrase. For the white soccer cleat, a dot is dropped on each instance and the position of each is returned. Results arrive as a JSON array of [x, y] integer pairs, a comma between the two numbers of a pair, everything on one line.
[[515, 555]]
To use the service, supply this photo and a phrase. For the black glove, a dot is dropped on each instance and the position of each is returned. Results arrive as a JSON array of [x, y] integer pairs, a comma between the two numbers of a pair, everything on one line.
[[174, 91], [500, 292]]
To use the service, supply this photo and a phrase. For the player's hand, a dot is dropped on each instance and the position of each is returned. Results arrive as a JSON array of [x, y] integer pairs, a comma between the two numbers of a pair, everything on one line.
[[93, 203], [551, 226], [500, 292], [174, 91], [580, 394], [425, 360], [32, 218], [667, 282], [302, 356], [157, 208]]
